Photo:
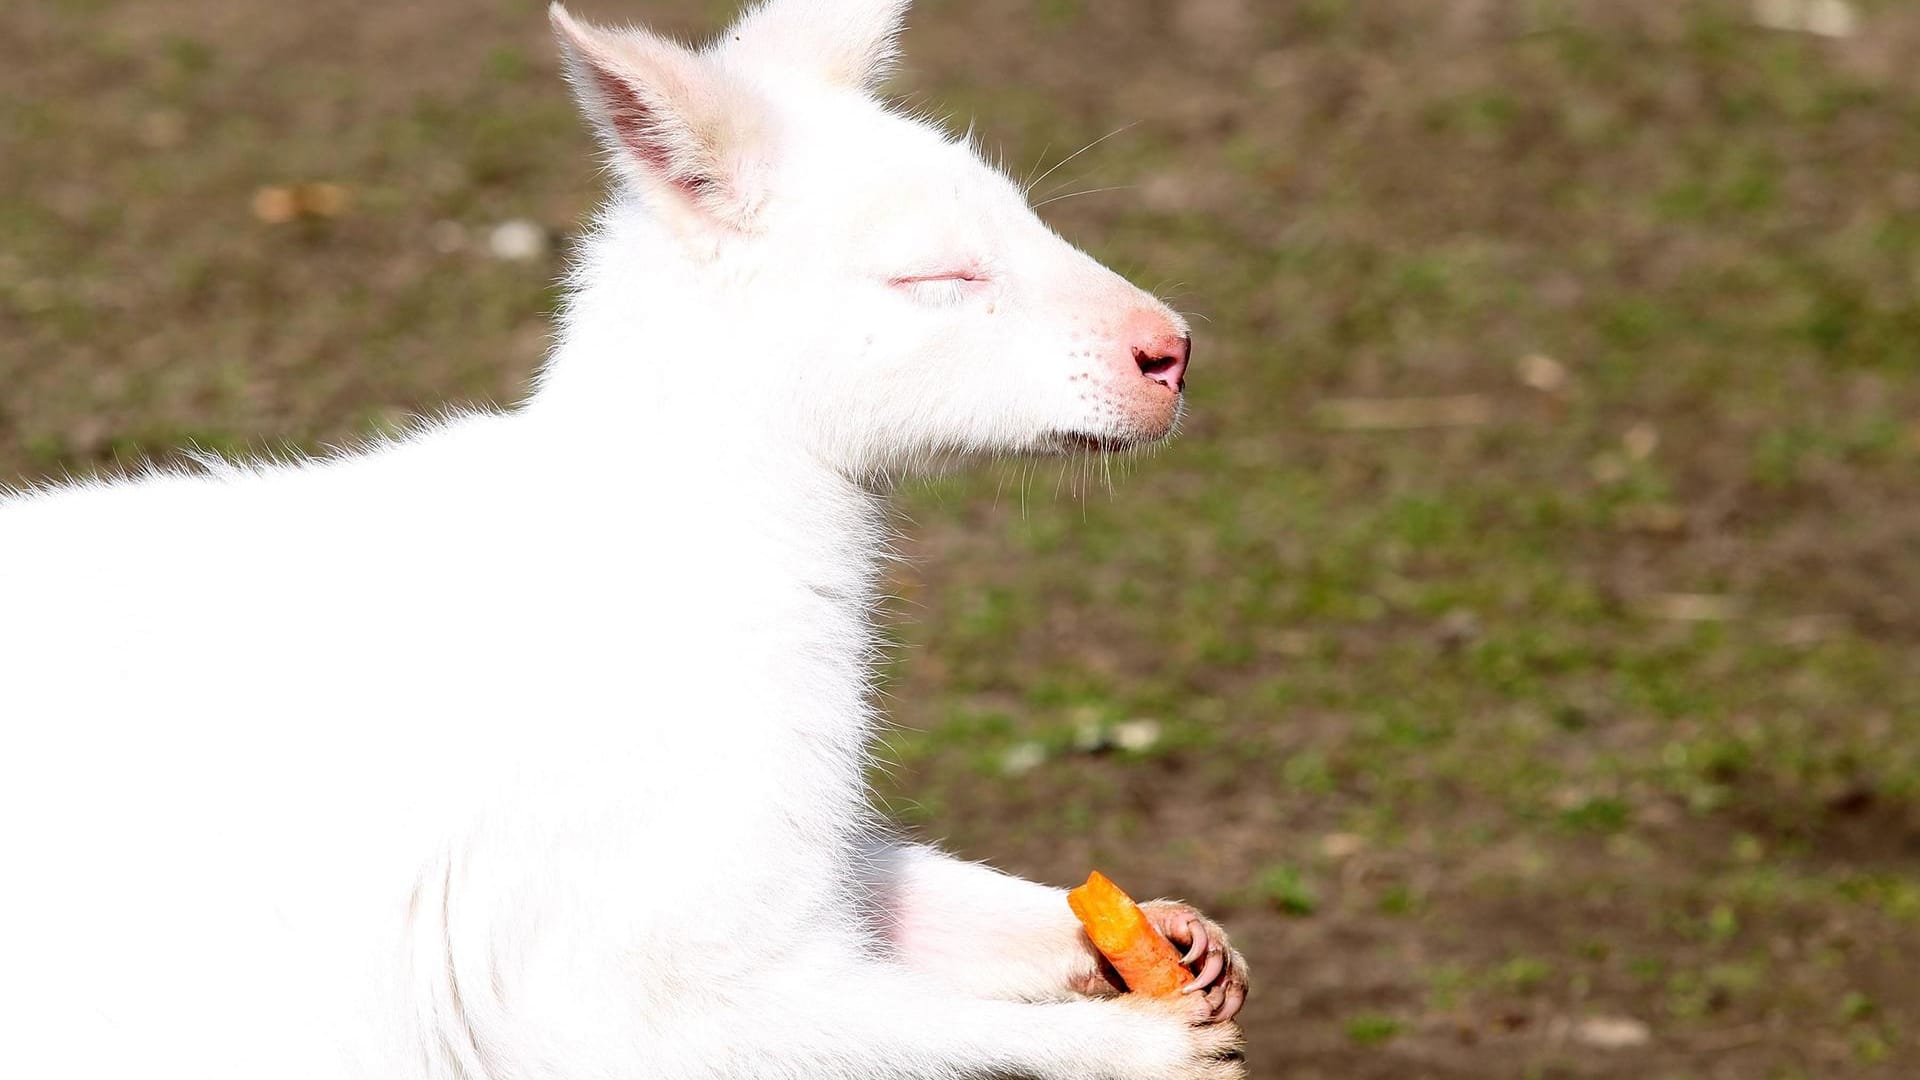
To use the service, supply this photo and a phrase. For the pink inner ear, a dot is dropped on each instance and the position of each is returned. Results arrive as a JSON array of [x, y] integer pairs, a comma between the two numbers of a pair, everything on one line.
[[638, 129], [632, 121]]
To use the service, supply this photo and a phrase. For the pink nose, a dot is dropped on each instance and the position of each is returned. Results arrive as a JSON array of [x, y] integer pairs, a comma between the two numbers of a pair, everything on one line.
[[1166, 362]]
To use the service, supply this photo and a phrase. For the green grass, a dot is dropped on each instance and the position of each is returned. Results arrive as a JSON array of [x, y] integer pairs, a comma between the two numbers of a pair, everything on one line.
[[1370, 1030]]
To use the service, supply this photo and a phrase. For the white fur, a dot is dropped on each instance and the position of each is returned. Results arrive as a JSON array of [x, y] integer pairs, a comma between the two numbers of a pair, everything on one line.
[[531, 744]]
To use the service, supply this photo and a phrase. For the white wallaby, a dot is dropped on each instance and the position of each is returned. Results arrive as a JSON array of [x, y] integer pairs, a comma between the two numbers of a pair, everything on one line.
[[532, 744]]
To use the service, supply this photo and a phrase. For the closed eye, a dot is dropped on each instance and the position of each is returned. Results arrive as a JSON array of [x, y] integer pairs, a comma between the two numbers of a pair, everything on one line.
[[945, 288], [951, 275]]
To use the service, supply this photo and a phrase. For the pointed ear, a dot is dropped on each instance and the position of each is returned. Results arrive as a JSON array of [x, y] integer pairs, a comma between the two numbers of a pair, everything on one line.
[[676, 126], [850, 43]]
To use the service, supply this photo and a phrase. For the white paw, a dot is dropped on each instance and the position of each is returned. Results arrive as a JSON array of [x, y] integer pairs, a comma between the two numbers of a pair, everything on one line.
[[1178, 1038], [1220, 972]]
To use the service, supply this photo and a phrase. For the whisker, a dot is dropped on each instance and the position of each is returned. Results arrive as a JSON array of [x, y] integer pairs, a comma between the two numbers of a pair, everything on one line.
[[1065, 184], [1077, 194], [1075, 154], [1027, 185]]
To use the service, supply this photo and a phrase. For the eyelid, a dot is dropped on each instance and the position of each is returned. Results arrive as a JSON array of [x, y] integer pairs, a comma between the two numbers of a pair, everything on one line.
[[939, 290], [924, 279]]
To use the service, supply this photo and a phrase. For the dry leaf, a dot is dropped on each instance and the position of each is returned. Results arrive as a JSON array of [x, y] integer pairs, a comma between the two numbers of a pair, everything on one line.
[[1542, 373], [1342, 845], [275, 205], [278, 204]]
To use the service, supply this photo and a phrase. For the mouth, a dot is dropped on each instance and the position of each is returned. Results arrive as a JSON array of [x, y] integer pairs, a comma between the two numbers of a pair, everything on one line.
[[1068, 442]]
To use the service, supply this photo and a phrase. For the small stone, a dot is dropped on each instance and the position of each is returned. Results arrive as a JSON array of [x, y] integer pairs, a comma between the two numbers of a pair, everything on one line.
[[519, 240], [1612, 1032], [1023, 758], [1641, 440], [1136, 736], [1822, 18]]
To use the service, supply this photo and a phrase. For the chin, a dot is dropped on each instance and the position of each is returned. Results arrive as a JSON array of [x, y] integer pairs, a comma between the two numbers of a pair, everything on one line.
[[1108, 442]]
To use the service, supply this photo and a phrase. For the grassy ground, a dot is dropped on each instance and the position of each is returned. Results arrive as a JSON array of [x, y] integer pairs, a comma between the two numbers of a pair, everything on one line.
[[1529, 620]]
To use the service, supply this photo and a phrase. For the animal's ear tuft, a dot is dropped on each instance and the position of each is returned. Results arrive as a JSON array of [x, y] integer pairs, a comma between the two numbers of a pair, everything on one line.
[[674, 123], [850, 43]]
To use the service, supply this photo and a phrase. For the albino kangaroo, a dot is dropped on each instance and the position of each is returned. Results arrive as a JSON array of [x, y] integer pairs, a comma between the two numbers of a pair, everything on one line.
[[531, 744]]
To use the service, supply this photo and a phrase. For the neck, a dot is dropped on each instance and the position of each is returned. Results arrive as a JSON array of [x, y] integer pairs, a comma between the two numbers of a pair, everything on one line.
[[649, 377], [651, 342]]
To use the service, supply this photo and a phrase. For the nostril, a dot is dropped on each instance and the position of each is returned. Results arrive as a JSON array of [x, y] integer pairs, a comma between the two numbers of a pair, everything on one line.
[[1168, 367], [1153, 365]]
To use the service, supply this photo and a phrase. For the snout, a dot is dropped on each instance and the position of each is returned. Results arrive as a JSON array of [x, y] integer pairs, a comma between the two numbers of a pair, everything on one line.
[[1133, 390], [1147, 391], [1165, 361]]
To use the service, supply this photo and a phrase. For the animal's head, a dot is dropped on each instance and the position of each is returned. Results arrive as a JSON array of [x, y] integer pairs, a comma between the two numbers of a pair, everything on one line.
[[908, 302]]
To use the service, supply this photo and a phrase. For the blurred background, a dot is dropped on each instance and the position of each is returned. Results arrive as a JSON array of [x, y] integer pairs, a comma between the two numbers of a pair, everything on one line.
[[1520, 650]]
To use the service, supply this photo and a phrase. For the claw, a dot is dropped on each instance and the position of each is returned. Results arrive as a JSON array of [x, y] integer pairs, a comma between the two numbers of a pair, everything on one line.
[[1216, 963], [1229, 1008], [1199, 931]]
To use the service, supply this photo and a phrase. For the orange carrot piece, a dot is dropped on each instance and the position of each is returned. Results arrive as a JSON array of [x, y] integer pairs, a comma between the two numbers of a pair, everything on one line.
[[1147, 962]]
